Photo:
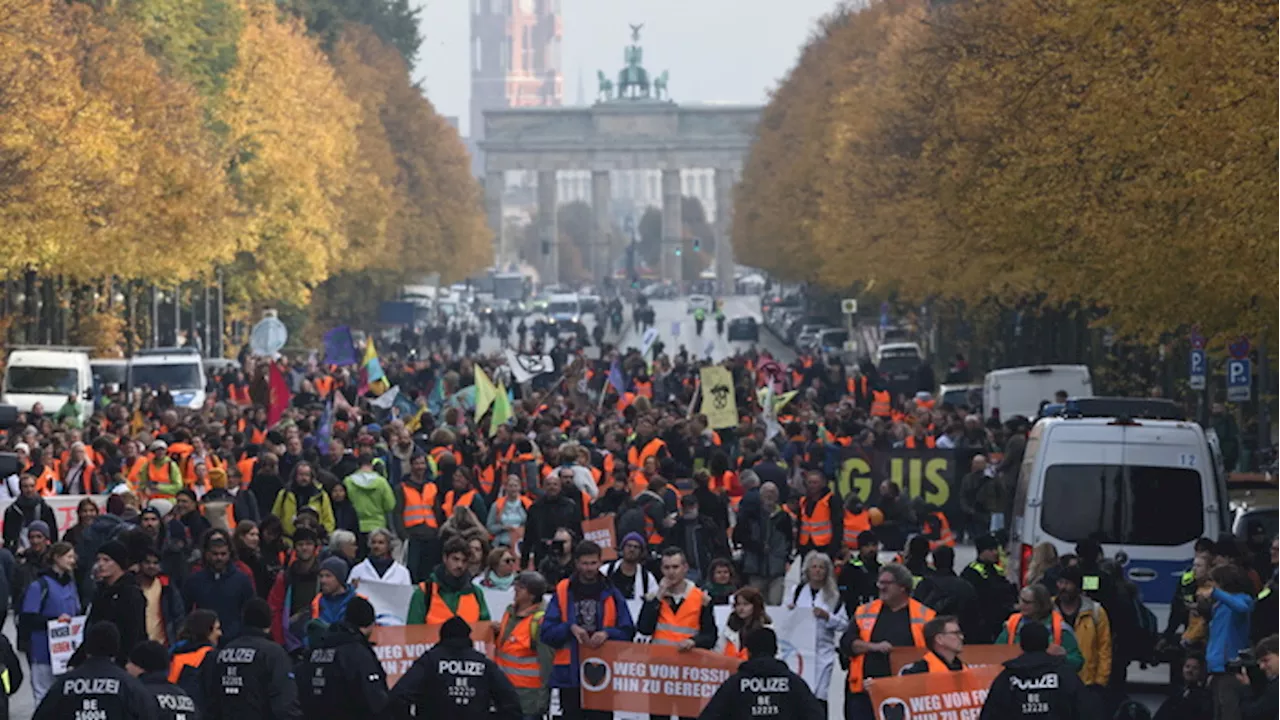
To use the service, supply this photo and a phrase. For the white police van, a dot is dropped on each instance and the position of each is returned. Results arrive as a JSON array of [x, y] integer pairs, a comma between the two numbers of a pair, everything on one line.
[[178, 369], [564, 311], [1130, 473]]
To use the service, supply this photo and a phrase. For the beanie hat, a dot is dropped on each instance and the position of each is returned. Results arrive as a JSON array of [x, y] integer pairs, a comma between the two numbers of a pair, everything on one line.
[[987, 542], [867, 537], [116, 550], [455, 628], [1073, 574], [305, 534], [217, 478], [338, 567], [150, 655], [1034, 636], [102, 640], [257, 614], [360, 613], [636, 538], [41, 527]]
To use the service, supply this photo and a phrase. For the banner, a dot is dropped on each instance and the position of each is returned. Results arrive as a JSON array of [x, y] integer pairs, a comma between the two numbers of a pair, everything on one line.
[[390, 600], [797, 632], [932, 696], [654, 679], [718, 402], [527, 367], [651, 334], [934, 475], [64, 638], [399, 647], [973, 656], [601, 532], [64, 509]]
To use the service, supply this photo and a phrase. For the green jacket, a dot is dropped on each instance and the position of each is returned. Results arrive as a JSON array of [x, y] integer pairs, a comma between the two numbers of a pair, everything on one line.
[[418, 605], [1074, 659], [286, 506], [372, 497]]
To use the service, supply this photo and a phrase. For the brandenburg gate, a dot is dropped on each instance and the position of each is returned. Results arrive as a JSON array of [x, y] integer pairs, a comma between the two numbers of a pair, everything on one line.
[[634, 125]]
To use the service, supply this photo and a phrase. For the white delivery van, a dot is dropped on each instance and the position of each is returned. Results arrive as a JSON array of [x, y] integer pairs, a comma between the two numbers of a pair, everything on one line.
[[178, 369], [1020, 390], [1147, 487], [48, 376]]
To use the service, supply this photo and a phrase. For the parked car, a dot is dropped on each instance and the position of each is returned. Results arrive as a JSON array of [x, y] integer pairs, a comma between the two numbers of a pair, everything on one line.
[[744, 329], [806, 339]]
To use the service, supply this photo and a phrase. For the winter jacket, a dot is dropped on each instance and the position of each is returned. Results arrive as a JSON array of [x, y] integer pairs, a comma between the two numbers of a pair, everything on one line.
[[1228, 628], [372, 497], [341, 677], [123, 604], [12, 670], [20, 514], [1093, 635], [546, 514], [250, 680], [284, 628], [700, 541], [334, 607], [766, 542], [225, 593], [47, 598], [1038, 685], [763, 683], [110, 690], [285, 507], [170, 701], [429, 691], [557, 621]]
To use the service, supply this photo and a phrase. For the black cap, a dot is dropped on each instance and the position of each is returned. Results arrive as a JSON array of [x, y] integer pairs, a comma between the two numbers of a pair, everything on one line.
[[1072, 574], [257, 614], [987, 542], [150, 655], [455, 628], [762, 642], [360, 613], [867, 537], [1034, 636], [102, 640], [305, 534]]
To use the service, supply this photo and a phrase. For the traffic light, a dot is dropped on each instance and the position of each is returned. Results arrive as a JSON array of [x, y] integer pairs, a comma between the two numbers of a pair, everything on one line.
[[9, 463], [679, 251], [697, 244]]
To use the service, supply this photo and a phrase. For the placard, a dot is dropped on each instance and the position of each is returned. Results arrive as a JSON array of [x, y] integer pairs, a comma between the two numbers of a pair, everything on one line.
[[932, 696], [654, 679], [64, 638], [399, 647], [601, 532]]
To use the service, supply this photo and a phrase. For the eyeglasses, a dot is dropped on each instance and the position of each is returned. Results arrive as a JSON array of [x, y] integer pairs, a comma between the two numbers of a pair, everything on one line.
[[957, 633]]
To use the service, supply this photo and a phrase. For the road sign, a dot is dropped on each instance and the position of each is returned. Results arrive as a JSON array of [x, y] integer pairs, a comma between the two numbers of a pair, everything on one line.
[[849, 306], [1240, 348], [1199, 369], [1239, 380], [268, 336], [675, 329]]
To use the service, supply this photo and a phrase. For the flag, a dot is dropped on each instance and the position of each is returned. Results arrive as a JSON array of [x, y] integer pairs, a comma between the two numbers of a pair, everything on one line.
[[339, 347], [386, 399], [280, 395], [435, 401], [414, 422], [616, 378], [486, 393], [372, 367], [783, 399], [501, 409], [527, 367], [324, 433], [403, 407]]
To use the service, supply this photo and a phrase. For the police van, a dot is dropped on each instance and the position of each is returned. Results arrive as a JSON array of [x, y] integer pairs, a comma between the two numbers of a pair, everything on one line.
[[176, 368], [1130, 473]]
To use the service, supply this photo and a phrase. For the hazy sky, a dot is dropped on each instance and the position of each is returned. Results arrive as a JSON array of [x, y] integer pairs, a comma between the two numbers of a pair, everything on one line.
[[716, 50]]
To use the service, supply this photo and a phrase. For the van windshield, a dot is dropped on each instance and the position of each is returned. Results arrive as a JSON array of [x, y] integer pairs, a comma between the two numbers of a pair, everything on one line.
[[1123, 504], [563, 307], [182, 376], [42, 380]]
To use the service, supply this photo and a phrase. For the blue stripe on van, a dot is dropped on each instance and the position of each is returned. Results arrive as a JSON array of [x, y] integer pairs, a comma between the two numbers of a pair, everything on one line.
[[1156, 579]]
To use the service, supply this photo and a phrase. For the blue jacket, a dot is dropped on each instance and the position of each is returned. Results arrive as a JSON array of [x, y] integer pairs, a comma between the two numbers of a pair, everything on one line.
[[224, 593], [333, 609], [46, 599], [555, 630], [1228, 628]]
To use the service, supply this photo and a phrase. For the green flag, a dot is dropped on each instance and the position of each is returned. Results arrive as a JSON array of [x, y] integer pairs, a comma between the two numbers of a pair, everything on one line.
[[485, 392], [501, 409]]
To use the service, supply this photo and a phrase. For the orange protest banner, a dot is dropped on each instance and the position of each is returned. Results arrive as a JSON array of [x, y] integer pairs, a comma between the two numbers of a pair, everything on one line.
[[932, 696], [399, 646], [601, 532], [654, 679], [973, 655]]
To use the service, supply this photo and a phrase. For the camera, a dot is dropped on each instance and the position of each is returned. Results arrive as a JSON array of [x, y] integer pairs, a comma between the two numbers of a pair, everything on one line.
[[1244, 661]]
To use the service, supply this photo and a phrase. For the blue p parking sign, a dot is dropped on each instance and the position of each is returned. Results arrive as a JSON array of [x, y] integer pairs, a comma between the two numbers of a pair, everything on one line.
[[1239, 380], [1199, 369]]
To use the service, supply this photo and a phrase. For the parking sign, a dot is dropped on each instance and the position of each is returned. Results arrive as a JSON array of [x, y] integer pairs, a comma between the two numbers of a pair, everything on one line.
[[1199, 369], [1239, 380]]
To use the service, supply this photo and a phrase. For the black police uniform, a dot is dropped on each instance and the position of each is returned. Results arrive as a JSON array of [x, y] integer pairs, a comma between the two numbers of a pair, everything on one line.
[[341, 677], [98, 688], [171, 701], [453, 680], [251, 680], [1038, 685], [763, 688]]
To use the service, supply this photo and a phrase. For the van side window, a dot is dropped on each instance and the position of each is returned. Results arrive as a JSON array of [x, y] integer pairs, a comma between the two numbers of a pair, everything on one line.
[[1123, 504]]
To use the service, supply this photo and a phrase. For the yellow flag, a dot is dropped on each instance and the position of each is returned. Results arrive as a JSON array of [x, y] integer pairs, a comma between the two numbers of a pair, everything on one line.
[[501, 409], [783, 399], [718, 401], [485, 392]]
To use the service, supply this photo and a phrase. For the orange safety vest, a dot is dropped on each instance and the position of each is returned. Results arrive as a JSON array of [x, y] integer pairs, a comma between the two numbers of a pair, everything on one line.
[[159, 476], [466, 499], [925, 404], [929, 442], [816, 527], [881, 405], [439, 613], [315, 605], [1011, 627], [637, 457], [516, 652], [419, 505], [564, 656], [852, 385], [239, 394], [945, 536], [865, 618], [440, 451], [732, 650], [501, 503], [191, 659], [47, 482], [936, 665], [257, 436], [246, 467], [486, 478], [854, 525], [324, 385], [644, 389], [722, 482], [677, 625]]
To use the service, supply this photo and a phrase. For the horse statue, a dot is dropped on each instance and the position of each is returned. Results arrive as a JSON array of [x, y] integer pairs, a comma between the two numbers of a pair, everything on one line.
[[660, 87], [606, 86]]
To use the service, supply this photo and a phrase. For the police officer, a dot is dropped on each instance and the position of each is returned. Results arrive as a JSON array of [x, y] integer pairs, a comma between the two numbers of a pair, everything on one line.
[[454, 680], [996, 595], [251, 678], [1037, 684], [97, 688], [149, 662], [763, 681], [341, 677]]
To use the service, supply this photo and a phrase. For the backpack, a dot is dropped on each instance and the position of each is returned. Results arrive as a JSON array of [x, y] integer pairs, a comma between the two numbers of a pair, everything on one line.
[[1148, 631]]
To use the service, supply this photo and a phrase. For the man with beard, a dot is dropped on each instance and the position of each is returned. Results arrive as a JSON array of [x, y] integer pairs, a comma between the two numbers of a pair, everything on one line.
[[26, 509], [295, 587]]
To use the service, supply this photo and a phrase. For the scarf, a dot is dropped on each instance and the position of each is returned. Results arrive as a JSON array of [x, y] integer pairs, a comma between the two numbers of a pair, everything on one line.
[[381, 564], [499, 583]]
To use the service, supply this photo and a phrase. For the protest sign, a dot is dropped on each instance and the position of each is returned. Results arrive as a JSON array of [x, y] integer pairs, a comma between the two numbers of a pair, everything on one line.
[[718, 402], [601, 532], [797, 641], [390, 600], [932, 696], [973, 656], [399, 647], [64, 638], [63, 506], [654, 679]]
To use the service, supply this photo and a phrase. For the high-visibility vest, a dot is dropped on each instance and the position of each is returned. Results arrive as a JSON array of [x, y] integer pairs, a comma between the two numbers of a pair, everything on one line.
[[865, 619], [1011, 627], [159, 476], [439, 612], [47, 482], [925, 404], [486, 477], [563, 656], [501, 503], [911, 444], [722, 482], [854, 525], [239, 394], [133, 473], [246, 467], [881, 405], [677, 625], [440, 451], [323, 385], [419, 505], [191, 659], [943, 531], [644, 389], [516, 652], [936, 665], [315, 605], [852, 384], [636, 457], [449, 501], [816, 527]]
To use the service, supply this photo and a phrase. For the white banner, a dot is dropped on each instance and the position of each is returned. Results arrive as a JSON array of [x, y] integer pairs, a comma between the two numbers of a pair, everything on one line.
[[647, 341], [527, 367], [797, 638], [390, 600], [64, 638], [64, 509]]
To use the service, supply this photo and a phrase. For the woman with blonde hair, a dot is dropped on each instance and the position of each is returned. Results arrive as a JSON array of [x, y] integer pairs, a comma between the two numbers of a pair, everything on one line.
[[1043, 567], [748, 615], [819, 593]]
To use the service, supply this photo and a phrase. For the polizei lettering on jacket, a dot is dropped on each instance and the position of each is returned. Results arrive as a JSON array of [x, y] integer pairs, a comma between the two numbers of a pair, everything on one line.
[[237, 655], [1044, 682], [91, 686], [176, 703], [460, 667], [764, 685]]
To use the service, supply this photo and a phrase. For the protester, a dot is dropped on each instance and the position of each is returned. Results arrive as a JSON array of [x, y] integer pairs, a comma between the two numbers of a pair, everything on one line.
[[165, 605], [721, 582], [380, 565], [1088, 620], [517, 647], [499, 569], [1035, 606], [27, 508], [119, 600], [416, 520], [53, 595], [548, 514], [748, 616], [370, 495], [627, 573], [818, 593], [294, 590], [200, 634], [1231, 601], [944, 641], [509, 513], [449, 591], [857, 579], [765, 536], [302, 492]]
